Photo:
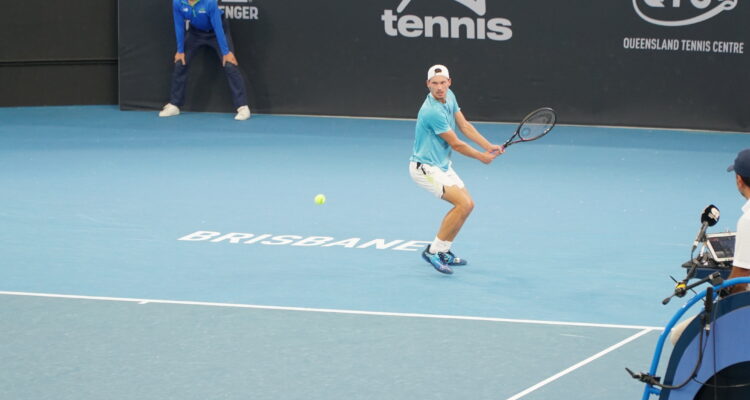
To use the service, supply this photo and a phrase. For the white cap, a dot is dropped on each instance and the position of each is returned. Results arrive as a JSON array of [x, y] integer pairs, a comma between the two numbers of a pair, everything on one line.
[[437, 70]]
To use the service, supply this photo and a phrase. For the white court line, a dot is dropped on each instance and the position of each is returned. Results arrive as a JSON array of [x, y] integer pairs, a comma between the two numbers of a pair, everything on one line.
[[580, 364], [325, 310], [513, 123]]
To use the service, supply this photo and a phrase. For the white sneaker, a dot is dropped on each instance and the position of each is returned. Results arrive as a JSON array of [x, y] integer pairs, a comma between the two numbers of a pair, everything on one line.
[[170, 110], [243, 113]]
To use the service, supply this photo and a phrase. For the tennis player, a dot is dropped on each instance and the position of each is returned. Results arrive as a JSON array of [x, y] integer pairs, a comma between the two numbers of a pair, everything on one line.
[[430, 163], [207, 28]]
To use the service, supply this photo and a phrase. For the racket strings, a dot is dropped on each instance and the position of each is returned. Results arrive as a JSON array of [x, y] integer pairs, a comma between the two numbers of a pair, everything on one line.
[[537, 125]]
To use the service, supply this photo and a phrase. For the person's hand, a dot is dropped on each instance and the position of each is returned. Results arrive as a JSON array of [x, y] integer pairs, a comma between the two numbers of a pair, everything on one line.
[[488, 156], [179, 57], [494, 148], [228, 58]]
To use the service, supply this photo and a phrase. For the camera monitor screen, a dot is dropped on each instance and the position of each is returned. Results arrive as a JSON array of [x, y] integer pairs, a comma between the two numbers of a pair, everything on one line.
[[721, 246]]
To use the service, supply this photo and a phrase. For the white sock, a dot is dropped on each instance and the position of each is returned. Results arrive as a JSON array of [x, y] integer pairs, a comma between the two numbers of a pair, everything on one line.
[[440, 246]]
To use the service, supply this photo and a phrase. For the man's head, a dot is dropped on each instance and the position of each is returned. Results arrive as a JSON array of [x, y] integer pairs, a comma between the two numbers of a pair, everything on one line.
[[438, 81], [741, 168]]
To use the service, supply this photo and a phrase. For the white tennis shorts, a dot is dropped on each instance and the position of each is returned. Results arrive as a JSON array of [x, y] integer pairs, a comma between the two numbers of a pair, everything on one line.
[[433, 179]]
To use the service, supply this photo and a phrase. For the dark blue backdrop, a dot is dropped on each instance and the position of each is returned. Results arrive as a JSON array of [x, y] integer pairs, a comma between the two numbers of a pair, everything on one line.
[[603, 63]]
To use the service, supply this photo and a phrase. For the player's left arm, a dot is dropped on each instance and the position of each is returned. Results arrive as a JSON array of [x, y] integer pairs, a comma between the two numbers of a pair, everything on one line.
[[473, 134]]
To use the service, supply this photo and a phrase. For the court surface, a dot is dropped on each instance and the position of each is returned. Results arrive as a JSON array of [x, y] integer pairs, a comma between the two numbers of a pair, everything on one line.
[[184, 258]]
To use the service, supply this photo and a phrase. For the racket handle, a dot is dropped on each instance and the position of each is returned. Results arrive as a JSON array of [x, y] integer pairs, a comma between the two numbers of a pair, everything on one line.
[[508, 142]]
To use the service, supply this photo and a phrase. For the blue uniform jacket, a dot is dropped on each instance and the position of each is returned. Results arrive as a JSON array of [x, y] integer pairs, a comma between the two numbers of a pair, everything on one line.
[[205, 15]]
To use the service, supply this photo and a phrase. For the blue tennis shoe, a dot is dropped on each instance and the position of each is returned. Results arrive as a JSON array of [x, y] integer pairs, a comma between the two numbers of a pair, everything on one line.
[[453, 260], [439, 261], [449, 258]]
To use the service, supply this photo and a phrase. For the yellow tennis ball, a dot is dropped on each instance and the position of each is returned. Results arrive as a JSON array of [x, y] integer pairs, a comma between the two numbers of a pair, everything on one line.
[[320, 199]]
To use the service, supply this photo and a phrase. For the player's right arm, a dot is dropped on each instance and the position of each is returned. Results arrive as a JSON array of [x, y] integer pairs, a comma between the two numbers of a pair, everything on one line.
[[464, 148], [472, 133]]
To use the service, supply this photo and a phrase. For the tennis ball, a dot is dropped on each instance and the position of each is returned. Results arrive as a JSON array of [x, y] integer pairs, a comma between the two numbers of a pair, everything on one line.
[[320, 199]]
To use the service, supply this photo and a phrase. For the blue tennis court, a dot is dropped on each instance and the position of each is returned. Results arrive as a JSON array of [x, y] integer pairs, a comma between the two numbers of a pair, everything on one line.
[[184, 258]]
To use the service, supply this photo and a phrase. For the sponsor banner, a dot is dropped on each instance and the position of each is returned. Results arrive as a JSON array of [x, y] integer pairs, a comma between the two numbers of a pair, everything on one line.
[[651, 63]]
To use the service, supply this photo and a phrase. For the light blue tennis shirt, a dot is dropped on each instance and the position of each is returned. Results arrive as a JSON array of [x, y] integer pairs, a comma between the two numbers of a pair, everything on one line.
[[433, 119]]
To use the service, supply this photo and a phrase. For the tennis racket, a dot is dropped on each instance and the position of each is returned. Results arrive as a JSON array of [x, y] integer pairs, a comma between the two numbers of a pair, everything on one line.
[[535, 125]]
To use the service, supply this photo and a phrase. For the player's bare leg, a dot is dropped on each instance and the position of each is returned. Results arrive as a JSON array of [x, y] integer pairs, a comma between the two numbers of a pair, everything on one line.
[[463, 204], [439, 253]]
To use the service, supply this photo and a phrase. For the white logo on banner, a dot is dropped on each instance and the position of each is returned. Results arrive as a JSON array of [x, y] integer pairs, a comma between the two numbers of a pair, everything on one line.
[[412, 26], [239, 9], [268, 239], [703, 8], [478, 6]]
